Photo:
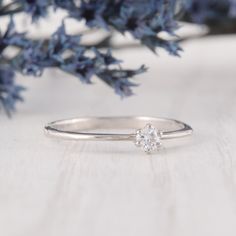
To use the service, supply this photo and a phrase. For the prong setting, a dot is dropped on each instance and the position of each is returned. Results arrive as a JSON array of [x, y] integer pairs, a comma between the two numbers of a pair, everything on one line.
[[148, 138]]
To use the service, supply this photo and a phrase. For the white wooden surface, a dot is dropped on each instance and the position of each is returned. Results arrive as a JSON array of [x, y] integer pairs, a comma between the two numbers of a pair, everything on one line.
[[60, 188]]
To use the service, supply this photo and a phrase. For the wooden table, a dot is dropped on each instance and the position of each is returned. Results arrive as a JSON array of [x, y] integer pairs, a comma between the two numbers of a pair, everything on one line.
[[52, 187]]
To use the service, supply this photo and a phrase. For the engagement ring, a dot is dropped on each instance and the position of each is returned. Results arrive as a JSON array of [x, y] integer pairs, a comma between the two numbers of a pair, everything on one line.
[[144, 132]]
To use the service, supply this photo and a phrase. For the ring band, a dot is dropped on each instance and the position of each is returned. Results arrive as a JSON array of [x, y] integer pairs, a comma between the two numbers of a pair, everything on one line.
[[145, 132]]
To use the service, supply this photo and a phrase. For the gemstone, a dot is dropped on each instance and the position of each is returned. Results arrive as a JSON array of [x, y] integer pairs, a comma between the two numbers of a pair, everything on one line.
[[148, 138]]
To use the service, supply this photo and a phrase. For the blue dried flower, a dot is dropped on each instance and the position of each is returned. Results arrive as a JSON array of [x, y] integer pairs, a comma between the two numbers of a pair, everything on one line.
[[81, 66], [31, 60], [129, 20], [105, 59], [36, 8], [118, 79], [143, 19], [12, 38], [92, 12], [39, 55], [171, 46], [10, 93], [61, 42], [203, 11]]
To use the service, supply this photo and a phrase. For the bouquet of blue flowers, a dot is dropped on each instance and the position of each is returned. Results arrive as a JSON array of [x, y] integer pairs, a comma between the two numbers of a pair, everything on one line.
[[143, 19]]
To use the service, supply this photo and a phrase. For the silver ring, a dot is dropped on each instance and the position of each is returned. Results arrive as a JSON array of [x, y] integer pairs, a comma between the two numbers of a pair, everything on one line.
[[145, 132]]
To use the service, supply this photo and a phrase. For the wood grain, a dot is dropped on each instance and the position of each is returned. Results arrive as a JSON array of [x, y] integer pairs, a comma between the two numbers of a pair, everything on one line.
[[50, 187]]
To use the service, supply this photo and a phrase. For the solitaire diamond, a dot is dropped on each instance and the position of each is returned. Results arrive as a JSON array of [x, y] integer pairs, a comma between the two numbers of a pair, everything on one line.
[[148, 138]]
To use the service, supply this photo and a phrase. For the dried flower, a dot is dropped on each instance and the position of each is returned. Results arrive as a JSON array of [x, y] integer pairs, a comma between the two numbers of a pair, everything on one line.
[[143, 19], [203, 11], [10, 93], [36, 8]]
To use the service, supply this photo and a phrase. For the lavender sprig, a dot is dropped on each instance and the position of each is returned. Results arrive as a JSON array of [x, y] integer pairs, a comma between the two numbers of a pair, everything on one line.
[[124, 16], [10, 92], [145, 20]]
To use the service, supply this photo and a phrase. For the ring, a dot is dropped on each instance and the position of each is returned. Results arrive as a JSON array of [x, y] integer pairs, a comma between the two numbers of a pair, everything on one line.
[[145, 132]]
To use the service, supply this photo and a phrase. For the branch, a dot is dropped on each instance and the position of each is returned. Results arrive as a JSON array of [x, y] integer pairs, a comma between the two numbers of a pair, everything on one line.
[[11, 12]]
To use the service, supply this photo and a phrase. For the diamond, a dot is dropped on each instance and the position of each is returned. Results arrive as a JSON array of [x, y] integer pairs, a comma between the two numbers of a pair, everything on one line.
[[148, 138]]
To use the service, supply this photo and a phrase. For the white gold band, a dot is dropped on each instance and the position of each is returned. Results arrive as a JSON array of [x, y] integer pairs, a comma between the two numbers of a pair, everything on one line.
[[84, 128]]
